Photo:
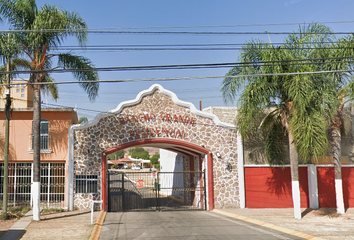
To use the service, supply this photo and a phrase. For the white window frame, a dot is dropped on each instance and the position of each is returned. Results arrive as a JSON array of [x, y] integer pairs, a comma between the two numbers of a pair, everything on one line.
[[44, 135]]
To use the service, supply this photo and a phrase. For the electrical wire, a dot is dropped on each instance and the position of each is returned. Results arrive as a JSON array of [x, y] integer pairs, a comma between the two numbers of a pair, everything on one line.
[[200, 26], [175, 46], [188, 66], [187, 78]]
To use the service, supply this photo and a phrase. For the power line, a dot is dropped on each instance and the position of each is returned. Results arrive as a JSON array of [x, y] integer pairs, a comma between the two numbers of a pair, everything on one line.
[[110, 49], [209, 33], [230, 26], [189, 78], [153, 46], [197, 26], [174, 32], [189, 66]]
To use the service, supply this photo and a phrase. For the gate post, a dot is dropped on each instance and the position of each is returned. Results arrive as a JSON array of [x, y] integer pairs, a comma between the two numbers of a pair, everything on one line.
[[123, 197], [210, 182], [104, 182], [204, 192]]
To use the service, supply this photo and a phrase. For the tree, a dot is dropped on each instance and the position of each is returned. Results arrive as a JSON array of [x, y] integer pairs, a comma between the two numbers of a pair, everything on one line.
[[299, 100], [117, 155], [9, 49], [42, 31], [83, 120], [139, 152], [343, 88], [154, 160]]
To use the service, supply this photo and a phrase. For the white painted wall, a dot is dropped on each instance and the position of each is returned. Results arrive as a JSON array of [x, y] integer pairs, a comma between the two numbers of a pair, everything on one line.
[[170, 162]]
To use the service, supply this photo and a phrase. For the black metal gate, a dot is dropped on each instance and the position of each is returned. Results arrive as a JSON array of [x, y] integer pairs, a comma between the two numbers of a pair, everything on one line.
[[157, 191]]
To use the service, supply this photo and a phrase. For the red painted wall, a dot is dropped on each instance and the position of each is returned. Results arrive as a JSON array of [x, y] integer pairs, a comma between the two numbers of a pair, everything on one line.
[[348, 186], [326, 187], [326, 190], [271, 187]]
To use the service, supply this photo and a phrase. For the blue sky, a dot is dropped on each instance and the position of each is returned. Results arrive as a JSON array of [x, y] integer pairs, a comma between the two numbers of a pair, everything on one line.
[[167, 13]]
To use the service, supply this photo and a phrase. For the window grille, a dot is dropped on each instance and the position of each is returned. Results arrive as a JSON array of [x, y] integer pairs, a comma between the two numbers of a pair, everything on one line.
[[86, 184], [20, 178]]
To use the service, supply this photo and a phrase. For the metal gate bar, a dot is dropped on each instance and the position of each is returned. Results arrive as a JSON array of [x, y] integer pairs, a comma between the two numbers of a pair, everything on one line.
[[154, 191]]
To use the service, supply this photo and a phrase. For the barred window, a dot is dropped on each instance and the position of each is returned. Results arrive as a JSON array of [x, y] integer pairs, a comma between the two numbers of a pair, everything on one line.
[[44, 138], [86, 184], [44, 141]]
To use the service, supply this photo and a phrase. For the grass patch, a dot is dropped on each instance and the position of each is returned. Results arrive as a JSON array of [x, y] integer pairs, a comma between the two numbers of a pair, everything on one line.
[[15, 212], [52, 210]]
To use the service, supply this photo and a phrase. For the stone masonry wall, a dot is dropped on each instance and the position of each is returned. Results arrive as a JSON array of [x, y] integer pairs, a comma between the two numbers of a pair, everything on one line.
[[129, 125]]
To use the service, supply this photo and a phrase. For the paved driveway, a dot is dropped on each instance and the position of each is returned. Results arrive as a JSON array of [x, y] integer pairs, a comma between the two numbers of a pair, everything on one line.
[[182, 225]]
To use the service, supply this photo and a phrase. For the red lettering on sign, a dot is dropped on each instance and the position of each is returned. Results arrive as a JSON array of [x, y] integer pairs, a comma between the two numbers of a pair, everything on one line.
[[152, 117], [178, 133], [180, 119], [121, 120], [164, 131], [162, 117], [134, 118], [141, 117]]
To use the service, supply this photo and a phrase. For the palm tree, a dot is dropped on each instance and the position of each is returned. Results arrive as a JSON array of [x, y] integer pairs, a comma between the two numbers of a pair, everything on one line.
[[9, 49], [42, 31], [299, 100], [343, 87]]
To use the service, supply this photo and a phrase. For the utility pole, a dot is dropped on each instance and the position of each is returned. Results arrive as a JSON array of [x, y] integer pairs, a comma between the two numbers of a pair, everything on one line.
[[7, 130]]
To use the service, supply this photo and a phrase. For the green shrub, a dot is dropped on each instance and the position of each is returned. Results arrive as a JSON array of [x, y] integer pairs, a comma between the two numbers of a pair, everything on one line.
[[52, 210]]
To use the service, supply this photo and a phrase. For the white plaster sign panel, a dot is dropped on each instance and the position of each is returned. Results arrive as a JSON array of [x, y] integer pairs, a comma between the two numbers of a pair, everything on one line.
[[158, 113]]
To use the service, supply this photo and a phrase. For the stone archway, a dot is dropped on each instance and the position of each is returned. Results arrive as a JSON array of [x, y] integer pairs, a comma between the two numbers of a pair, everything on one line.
[[156, 115], [188, 147]]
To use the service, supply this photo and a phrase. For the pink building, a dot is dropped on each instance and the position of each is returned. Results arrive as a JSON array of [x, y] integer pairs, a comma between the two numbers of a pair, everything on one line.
[[54, 154]]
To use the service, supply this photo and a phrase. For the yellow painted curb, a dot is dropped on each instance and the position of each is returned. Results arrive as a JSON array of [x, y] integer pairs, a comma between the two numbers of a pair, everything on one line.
[[269, 225], [95, 235]]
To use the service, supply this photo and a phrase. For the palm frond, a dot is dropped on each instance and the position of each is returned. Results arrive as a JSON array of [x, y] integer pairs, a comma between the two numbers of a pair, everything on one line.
[[50, 89], [82, 71]]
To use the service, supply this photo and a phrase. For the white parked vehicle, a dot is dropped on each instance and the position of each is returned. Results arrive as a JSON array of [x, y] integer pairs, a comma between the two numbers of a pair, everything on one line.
[[136, 167]]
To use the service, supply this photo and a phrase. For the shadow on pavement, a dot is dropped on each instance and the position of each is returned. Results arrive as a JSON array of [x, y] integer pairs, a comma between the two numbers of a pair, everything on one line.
[[307, 211], [50, 216], [12, 234]]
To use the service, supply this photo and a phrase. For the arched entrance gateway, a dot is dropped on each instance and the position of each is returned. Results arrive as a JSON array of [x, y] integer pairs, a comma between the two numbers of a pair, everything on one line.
[[155, 118]]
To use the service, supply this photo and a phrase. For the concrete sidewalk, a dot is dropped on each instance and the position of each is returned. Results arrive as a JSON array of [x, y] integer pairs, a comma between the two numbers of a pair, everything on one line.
[[63, 225], [322, 223], [18, 229]]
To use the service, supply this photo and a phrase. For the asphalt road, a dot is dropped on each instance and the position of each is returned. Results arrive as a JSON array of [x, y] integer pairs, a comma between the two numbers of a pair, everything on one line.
[[182, 225]]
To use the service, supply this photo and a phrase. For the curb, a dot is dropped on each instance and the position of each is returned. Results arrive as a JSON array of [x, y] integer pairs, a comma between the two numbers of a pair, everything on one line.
[[268, 225], [95, 235]]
